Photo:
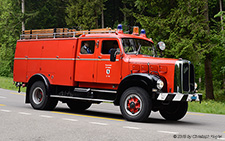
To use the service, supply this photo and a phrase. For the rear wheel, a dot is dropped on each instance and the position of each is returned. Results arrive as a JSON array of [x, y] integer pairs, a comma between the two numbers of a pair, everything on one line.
[[174, 111], [39, 98], [135, 104], [78, 106]]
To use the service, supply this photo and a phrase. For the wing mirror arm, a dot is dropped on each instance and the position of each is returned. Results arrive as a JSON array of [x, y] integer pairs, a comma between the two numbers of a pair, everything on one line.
[[113, 54]]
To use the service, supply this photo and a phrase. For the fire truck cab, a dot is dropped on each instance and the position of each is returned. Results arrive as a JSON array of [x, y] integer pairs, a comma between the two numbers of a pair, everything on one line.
[[96, 66]]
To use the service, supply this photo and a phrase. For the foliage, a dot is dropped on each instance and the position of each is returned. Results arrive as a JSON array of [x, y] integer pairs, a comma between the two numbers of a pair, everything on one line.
[[219, 54], [186, 29], [7, 83], [9, 32], [45, 13], [208, 106], [182, 25], [112, 13], [84, 14]]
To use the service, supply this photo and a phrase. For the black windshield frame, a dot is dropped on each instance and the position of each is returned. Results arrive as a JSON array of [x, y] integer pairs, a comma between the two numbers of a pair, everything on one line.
[[138, 46]]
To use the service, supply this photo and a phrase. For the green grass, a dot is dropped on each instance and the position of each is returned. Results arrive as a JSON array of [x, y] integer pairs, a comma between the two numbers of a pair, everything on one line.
[[207, 106], [7, 83], [216, 106]]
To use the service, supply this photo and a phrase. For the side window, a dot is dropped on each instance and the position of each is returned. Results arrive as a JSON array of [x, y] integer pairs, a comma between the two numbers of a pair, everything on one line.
[[107, 45], [87, 47]]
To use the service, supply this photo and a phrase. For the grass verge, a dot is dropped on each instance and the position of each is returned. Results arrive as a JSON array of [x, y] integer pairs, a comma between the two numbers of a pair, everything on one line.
[[207, 106], [7, 83]]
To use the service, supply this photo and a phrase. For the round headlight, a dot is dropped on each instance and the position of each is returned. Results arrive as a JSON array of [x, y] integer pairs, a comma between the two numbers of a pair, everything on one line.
[[160, 84]]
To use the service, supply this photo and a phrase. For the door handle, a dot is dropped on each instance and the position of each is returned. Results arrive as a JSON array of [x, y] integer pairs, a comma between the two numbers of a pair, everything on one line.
[[99, 57]]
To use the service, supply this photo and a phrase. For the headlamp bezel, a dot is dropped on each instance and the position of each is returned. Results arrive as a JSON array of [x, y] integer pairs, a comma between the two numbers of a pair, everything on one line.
[[159, 84]]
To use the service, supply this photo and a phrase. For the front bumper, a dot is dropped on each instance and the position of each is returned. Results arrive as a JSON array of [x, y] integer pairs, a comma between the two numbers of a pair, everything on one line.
[[179, 97]]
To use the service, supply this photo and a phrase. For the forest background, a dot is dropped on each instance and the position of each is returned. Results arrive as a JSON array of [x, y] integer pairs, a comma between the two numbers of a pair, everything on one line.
[[191, 29]]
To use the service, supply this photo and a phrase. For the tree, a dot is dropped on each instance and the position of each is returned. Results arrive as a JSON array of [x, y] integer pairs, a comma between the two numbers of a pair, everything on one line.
[[43, 14], [220, 49], [184, 26], [208, 57], [84, 13], [221, 15], [127, 10], [10, 28], [113, 15]]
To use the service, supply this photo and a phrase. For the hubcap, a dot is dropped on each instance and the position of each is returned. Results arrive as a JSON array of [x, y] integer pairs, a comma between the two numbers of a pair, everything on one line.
[[37, 95], [133, 104]]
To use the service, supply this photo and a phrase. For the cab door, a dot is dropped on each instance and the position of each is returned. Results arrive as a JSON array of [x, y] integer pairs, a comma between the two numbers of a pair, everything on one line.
[[85, 67], [107, 71]]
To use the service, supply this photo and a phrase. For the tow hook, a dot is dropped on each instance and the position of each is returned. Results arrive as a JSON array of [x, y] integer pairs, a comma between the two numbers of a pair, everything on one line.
[[18, 84]]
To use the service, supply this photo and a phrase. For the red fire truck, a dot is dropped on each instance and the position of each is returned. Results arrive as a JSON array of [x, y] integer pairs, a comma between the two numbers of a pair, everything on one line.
[[103, 66]]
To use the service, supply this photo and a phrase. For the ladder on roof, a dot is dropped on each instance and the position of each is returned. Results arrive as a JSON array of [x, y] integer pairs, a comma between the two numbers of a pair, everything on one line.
[[60, 33]]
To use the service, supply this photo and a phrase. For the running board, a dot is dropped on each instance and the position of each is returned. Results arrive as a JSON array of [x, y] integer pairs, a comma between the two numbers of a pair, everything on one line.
[[80, 98], [83, 90]]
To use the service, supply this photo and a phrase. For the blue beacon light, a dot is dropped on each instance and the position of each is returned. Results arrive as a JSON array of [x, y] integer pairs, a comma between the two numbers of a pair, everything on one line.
[[143, 33], [120, 28]]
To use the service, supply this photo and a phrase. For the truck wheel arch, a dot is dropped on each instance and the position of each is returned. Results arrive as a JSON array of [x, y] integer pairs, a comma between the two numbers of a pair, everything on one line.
[[32, 80], [145, 81]]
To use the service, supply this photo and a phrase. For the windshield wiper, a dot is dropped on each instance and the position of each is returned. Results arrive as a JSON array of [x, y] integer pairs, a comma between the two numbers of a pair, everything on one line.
[[138, 49], [155, 52]]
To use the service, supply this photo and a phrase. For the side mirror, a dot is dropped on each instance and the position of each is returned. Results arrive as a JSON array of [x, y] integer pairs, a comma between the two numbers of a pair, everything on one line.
[[161, 45], [113, 54]]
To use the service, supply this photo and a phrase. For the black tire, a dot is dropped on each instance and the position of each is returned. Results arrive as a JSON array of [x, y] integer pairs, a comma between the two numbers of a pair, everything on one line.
[[135, 104], [174, 111], [39, 98], [78, 106]]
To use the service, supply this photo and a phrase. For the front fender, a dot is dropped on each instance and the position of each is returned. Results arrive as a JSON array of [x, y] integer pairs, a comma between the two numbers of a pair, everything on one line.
[[145, 81], [149, 79]]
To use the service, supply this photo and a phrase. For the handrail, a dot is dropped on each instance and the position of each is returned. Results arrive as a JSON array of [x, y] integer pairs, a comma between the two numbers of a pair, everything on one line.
[[62, 34]]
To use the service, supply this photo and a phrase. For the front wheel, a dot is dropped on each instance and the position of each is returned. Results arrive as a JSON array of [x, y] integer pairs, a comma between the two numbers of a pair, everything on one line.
[[39, 98], [135, 104], [174, 111]]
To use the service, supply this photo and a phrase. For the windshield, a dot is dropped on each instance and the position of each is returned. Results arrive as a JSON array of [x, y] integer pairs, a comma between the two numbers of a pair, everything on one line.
[[138, 46]]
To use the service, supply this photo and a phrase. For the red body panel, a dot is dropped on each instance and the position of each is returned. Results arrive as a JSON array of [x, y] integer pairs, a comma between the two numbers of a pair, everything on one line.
[[164, 66], [62, 63], [20, 64], [53, 58]]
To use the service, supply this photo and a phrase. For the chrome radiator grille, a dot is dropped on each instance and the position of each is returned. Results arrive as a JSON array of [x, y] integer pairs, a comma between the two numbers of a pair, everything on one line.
[[184, 77]]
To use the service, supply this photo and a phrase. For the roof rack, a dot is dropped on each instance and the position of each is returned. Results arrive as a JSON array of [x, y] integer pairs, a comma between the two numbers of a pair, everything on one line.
[[60, 33]]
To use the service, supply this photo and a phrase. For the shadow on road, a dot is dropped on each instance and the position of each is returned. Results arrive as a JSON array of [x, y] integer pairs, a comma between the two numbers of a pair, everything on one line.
[[92, 113], [168, 122], [120, 117]]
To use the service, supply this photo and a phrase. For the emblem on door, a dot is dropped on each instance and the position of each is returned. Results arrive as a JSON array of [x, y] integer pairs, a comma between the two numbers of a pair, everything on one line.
[[108, 71]]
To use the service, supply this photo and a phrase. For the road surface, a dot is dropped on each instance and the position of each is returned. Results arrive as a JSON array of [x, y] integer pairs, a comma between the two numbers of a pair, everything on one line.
[[20, 122]]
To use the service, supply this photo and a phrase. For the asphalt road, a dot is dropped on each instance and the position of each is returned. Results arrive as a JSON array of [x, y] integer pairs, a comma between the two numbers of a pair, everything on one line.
[[20, 122]]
